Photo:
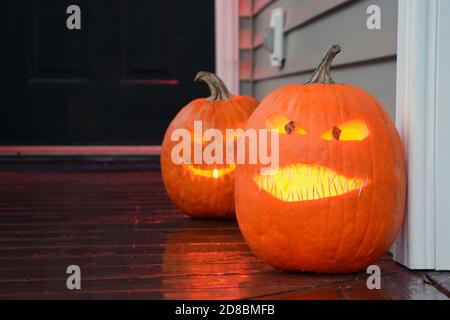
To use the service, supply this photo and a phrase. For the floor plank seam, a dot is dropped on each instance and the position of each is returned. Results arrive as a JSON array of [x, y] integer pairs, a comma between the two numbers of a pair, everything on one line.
[[429, 280]]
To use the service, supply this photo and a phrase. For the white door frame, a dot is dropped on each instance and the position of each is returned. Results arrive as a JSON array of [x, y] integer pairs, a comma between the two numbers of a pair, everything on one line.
[[227, 43], [423, 120]]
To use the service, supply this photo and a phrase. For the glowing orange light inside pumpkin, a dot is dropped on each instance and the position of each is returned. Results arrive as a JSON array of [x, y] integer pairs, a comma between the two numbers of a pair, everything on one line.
[[301, 182], [355, 130], [212, 173]]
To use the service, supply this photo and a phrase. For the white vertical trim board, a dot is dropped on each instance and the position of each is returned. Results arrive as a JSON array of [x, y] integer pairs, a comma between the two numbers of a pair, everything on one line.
[[227, 43], [443, 138], [423, 120]]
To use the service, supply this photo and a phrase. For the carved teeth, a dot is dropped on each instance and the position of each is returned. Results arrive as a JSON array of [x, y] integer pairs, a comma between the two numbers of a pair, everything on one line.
[[360, 190], [299, 182], [353, 184]]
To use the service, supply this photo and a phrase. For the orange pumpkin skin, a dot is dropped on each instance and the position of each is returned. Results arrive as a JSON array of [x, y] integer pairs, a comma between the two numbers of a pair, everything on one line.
[[190, 187], [330, 234]]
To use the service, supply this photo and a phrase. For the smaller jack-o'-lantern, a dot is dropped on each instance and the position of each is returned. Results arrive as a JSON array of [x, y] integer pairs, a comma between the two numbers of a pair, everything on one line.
[[336, 202], [199, 188]]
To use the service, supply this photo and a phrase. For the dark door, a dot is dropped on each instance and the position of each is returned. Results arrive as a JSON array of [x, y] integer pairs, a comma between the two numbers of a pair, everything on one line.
[[118, 80]]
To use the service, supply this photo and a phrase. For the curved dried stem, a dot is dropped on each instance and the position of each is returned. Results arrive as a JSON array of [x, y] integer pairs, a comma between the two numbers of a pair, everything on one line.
[[322, 75], [218, 89]]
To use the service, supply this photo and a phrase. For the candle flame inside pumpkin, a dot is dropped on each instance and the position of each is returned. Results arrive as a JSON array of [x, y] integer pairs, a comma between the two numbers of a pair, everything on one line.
[[301, 182], [215, 173]]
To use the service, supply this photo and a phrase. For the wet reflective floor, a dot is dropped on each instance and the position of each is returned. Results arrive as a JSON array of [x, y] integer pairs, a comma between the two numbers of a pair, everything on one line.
[[130, 242]]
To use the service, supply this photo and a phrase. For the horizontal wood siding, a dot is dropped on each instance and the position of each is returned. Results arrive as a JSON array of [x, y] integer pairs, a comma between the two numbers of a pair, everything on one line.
[[246, 88], [245, 8], [368, 58], [298, 12], [246, 47], [377, 77]]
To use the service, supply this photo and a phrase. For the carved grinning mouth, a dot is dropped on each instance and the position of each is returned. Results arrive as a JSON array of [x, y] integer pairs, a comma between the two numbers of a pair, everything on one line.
[[212, 173], [301, 182]]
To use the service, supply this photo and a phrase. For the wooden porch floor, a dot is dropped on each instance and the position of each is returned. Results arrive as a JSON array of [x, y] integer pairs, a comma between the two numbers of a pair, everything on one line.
[[131, 242]]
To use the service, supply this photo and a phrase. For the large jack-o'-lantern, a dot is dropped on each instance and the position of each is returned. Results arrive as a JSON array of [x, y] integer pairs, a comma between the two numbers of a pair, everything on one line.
[[336, 202], [205, 190]]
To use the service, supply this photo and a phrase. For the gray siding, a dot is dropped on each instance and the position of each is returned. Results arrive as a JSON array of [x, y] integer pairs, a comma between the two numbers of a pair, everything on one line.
[[246, 18], [368, 58]]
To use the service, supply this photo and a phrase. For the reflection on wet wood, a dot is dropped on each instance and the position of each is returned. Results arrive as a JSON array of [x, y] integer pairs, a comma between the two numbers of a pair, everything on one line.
[[132, 243]]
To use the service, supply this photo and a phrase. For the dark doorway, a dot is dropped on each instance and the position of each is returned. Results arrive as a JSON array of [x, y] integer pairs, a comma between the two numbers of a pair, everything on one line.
[[117, 81]]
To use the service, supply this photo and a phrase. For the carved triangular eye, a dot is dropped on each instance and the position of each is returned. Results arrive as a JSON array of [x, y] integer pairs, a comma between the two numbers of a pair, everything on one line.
[[283, 125], [355, 130]]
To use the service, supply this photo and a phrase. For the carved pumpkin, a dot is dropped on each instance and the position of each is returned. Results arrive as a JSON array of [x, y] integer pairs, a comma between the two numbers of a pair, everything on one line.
[[336, 202], [205, 190]]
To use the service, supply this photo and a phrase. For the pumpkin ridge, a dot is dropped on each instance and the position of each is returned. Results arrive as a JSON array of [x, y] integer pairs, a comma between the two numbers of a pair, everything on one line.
[[357, 205], [341, 111], [372, 171], [240, 106], [329, 161], [380, 226]]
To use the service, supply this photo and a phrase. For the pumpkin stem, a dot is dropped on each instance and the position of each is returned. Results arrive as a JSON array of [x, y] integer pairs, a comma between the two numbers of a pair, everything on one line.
[[218, 89], [322, 75]]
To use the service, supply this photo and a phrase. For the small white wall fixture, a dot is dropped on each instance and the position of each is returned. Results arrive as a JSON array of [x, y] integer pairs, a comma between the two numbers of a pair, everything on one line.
[[277, 25], [227, 43], [423, 120]]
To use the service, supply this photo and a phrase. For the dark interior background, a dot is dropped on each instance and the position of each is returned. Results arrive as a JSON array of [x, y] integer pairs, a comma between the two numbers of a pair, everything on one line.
[[118, 81]]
